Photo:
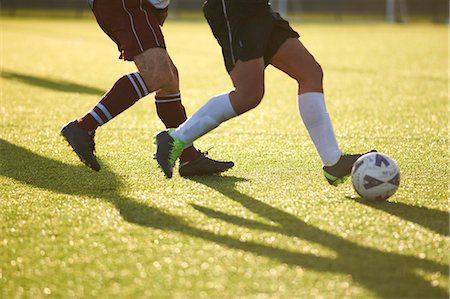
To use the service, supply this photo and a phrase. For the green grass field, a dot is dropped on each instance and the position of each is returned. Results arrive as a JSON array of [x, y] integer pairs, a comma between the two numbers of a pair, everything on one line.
[[271, 227]]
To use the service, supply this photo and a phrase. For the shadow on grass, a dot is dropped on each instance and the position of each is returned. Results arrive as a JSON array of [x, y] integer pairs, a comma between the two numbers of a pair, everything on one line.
[[58, 85], [432, 219], [386, 274]]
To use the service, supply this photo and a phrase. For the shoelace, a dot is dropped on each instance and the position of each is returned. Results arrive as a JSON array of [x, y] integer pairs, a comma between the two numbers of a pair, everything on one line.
[[206, 153]]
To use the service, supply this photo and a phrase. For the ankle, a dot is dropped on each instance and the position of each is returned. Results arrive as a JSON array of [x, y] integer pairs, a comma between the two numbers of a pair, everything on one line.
[[189, 154]]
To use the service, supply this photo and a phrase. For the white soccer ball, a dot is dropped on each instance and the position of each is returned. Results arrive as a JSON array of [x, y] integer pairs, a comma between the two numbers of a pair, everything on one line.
[[375, 176]]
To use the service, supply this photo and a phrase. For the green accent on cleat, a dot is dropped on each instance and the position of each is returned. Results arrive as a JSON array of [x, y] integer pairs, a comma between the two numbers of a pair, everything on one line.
[[168, 150], [338, 173], [176, 150], [332, 180]]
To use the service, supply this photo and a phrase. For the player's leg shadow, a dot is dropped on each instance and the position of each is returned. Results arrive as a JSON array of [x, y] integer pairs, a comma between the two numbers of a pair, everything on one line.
[[53, 84], [27, 167], [39, 171], [36, 170], [432, 219], [377, 270]]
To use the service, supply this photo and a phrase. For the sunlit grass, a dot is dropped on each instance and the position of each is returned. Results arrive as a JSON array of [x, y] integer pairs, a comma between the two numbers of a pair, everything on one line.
[[269, 228]]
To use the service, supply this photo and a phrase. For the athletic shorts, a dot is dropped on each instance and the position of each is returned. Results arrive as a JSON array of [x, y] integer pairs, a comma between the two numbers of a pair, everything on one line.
[[131, 24], [246, 30]]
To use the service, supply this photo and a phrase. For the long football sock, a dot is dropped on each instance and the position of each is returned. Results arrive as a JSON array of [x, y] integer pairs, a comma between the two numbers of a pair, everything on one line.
[[317, 121], [124, 93], [172, 113], [217, 110]]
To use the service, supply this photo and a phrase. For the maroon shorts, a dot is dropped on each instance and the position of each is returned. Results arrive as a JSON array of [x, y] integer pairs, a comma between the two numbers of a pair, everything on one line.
[[131, 24]]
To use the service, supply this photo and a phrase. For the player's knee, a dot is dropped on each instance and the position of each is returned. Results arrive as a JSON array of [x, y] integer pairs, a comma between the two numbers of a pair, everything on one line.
[[312, 74], [256, 96], [157, 70], [160, 78], [169, 80], [317, 72], [252, 97]]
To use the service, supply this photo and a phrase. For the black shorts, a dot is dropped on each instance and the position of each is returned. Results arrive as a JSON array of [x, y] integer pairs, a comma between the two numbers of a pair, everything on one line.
[[246, 30]]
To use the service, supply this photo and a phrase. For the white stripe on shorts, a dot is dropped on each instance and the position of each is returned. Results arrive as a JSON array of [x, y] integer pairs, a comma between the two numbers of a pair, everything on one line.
[[230, 37], [149, 25], [132, 25]]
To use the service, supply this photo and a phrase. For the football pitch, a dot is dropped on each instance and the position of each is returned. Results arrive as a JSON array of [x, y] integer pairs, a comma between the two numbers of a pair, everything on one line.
[[269, 228]]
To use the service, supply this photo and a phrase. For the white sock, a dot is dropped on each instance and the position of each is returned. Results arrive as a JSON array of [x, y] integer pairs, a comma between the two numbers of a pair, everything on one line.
[[317, 121], [217, 110]]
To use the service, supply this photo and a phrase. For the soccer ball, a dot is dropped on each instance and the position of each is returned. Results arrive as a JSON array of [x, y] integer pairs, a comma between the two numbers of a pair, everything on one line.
[[375, 176]]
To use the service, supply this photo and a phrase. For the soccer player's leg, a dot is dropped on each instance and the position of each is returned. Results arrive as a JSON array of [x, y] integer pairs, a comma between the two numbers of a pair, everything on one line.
[[245, 64], [126, 90], [248, 82], [248, 78], [82, 143], [337, 173], [158, 70], [296, 61]]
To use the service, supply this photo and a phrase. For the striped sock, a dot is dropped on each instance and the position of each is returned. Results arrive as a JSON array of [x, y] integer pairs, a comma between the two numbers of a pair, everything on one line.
[[125, 92], [170, 110], [172, 113]]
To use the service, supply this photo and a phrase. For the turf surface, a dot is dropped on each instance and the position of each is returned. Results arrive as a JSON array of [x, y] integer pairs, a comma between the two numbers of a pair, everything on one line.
[[269, 228]]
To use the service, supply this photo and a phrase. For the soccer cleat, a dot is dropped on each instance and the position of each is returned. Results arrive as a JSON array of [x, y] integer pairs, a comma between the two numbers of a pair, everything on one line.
[[82, 143], [167, 152], [203, 166], [339, 172]]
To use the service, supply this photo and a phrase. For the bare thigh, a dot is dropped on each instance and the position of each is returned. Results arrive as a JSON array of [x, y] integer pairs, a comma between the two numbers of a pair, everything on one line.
[[296, 61], [248, 81]]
